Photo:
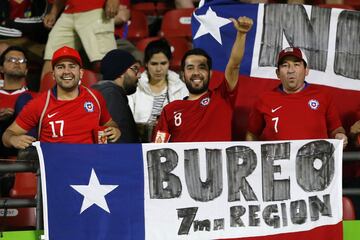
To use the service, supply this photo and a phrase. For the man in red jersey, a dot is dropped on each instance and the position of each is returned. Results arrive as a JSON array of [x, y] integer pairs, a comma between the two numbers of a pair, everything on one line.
[[205, 115], [13, 66], [89, 24], [295, 109], [68, 113]]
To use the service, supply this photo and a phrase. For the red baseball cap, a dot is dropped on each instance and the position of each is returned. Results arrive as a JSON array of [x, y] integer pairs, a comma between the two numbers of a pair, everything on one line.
[[66, 52], [292, 51]]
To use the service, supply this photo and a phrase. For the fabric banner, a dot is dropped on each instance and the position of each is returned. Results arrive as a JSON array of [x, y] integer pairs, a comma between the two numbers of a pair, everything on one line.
[[329, 38], [219, 190]]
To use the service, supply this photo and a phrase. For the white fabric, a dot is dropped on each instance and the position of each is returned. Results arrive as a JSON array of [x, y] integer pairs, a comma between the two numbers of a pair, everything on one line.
[[141, 102]]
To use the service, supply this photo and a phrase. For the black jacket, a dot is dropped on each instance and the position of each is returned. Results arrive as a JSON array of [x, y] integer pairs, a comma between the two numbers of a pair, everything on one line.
[[117, 104]]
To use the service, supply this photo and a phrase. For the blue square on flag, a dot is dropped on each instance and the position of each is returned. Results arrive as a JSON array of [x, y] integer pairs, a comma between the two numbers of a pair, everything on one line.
[[96, 193], [215, 33]]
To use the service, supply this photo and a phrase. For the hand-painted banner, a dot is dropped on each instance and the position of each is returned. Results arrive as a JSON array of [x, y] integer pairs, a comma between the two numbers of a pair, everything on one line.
[[329, 38], [220, 190]]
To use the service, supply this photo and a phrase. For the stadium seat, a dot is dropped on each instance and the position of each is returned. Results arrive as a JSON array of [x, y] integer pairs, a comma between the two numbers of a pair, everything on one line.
[[177, 23], [348, 209], [148, 8], [88, 80], [141, 45], [18, 219], [341, 6], [137, 26], [178, 47], [152, 8], [25, 185]]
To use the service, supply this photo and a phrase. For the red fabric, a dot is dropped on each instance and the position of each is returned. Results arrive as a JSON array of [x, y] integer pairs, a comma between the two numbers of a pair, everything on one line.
[[77, 118], [125, 2], [75, 6], [308, 114], [8, 99], [250, 89], [205, 119], [18, 8], [329, 232]]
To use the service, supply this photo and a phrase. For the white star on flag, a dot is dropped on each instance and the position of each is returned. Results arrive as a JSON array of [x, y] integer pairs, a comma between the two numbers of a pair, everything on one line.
[[94, 193], [210, 23]]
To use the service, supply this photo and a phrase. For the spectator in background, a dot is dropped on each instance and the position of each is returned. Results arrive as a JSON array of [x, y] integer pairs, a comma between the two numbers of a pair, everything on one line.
[[13, 67], [157, 87], [122, 20], [295, 109], [68, 113], [121, 71], [205, 115], [89, 23], [355, 132]]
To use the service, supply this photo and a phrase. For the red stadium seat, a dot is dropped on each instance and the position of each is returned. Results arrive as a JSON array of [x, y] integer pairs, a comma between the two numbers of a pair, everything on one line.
[[152, 8], [141, 45], [348, 209], [138, 26], [18, 219], [178, 47], [88, 80], [162, 7], [148, 8], [25, 185], [177, 23]]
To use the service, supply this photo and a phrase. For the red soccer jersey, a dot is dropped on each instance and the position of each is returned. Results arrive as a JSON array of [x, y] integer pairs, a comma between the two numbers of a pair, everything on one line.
[[8, 99], [205, 119], [308, 114], [71, 121]]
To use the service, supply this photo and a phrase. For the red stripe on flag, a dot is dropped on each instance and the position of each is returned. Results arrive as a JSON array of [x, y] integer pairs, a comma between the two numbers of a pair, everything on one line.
[[329, 232]]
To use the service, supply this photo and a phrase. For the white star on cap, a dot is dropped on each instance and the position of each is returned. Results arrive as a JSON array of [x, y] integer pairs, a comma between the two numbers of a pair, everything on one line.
[[210, 23], [94, 193]]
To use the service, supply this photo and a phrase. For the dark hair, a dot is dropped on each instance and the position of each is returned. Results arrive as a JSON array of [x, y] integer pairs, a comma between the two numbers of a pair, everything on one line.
[[9, 49], [196, 51], [157, 46]]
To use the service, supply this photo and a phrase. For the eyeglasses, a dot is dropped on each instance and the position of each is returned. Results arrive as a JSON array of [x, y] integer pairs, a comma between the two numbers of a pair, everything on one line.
[[16, 60], [135, 69]]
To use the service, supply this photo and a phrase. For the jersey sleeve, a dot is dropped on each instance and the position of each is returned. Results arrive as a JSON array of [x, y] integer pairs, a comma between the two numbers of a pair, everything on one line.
[[29, 116], [104, 115], [226, 92], [256, 119]]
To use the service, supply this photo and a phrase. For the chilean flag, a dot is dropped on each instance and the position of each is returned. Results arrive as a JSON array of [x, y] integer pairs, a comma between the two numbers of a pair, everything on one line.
[[329, 38], [192, 191]]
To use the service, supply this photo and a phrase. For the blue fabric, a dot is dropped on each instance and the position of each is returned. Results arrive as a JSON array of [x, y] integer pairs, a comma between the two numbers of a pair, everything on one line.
[[220, 53], [123, 167]]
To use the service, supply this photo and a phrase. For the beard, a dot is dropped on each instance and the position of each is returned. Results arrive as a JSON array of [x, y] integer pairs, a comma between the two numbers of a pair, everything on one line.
[[129, 85], [197, 90], [67, 87], [15, 74]]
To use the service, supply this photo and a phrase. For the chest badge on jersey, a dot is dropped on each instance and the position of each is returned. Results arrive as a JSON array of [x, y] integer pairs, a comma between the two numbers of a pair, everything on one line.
[[89, 106], [314, 104], [205, 101]]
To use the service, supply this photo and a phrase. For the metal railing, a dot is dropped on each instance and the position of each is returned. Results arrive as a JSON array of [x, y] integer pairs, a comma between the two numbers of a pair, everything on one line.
[[24, 166]]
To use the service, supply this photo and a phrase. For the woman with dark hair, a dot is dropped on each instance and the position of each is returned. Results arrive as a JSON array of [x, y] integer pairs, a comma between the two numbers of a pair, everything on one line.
[[157, 87]]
